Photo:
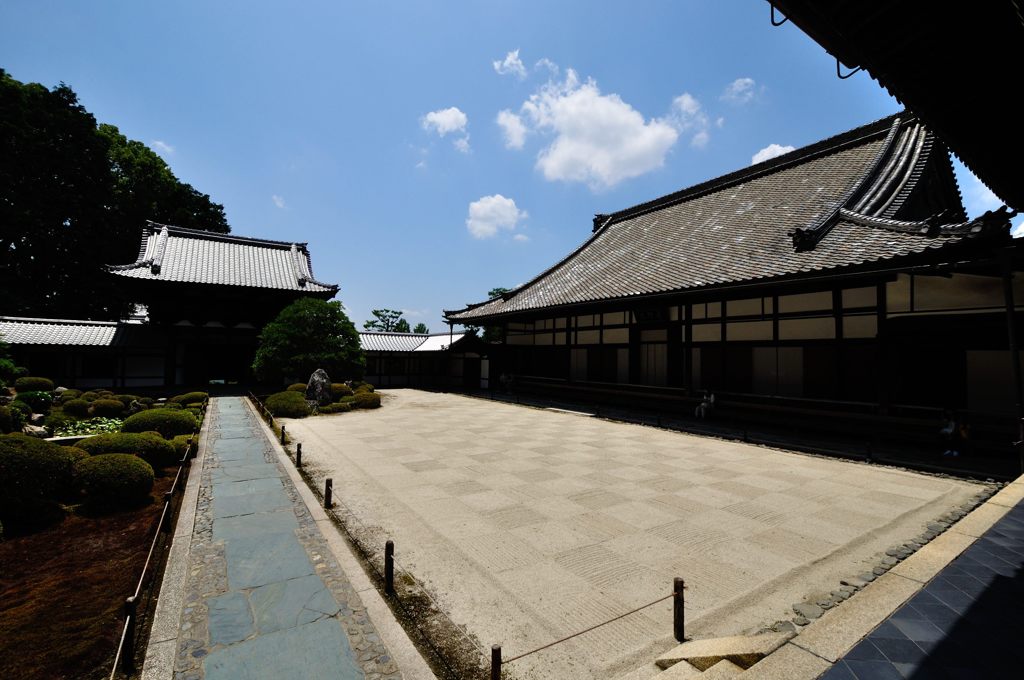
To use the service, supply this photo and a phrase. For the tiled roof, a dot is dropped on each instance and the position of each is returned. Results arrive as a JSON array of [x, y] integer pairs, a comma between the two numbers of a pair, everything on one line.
[[375, 341], [882, 191], [182, 255], [23, 331]]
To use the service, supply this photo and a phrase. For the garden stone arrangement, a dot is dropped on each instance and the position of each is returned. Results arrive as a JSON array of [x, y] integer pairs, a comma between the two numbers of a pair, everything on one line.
[[264, 597]]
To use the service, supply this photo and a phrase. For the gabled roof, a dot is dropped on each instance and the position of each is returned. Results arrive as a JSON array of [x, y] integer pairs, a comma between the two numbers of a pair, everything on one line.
[[876, 193], [25, 331], [180, 255], [376, 341]]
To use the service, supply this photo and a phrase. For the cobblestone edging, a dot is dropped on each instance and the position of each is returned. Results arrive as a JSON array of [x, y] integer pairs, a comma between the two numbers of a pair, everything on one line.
[[208, 575]]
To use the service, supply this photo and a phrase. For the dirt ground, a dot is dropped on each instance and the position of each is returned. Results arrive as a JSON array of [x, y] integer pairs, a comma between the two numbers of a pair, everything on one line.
[[528, 524]]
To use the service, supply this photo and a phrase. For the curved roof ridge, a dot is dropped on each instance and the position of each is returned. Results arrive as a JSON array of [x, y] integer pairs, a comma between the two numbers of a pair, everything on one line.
[[174, 230]]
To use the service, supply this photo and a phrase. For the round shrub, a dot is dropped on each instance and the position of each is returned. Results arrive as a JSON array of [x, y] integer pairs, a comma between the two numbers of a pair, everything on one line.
[[364, 387], [339, 390], [180, 444], [288, 404], [168, 422], [335, 408], [79, 408], [170, 406], [33, 474], [30, 383], [39, 402], [21, 407], [114, 480], [126, 399], [366, 400], [11, 420], [190, 397], [149, 446], [107, 408], [69, 394], [297, 387], [146, 401], [90, 395]]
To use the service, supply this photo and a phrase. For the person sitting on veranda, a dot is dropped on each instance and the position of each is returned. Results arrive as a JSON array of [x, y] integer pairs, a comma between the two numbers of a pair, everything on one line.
[[706, 406]]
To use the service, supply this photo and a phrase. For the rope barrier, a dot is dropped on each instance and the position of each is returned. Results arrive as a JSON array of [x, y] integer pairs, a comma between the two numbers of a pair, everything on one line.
[[587, 630]]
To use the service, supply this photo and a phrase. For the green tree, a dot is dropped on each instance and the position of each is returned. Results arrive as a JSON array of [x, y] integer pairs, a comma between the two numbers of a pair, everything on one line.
[[73, 197], [402, 326], [146, 189], [421, 328], [309, 334], [493, 333], [386, 320]]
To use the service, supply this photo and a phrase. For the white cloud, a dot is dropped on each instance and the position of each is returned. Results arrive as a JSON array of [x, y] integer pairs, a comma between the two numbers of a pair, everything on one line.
[[523, 238], [462, 144], [446, 121], [720, 122], [490, 214], [278, 201], [512, 128], [739, 91], [769, 152], [511, 64], [978, 198], [551, 66], [162, 147], [688, 116], [1017, 230], [598, 138]]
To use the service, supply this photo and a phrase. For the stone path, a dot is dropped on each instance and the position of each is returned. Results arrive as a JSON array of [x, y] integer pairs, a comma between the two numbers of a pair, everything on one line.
[[964, 624], [265, 598]]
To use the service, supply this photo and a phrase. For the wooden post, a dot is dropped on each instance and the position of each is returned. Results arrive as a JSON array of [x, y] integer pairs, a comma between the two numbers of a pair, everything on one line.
[[495, 662], [282, 435], [298, 455], [328, 492], [678, 613], [389, 567]]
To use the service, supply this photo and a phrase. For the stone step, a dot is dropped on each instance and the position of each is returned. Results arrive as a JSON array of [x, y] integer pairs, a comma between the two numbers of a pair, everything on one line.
[[722, 669], [679, 671], [744, 651]]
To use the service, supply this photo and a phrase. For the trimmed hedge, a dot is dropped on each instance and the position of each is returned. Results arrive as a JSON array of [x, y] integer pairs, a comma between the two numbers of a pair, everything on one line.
[[30, 383], [40, 402], [126, 399], [297, 387], [169, 405], [11, 420], [91, 395], [288, 404], [335, 408], [78, 408], [114, 480], [149, 446], [69, 394], [21, 407], [189, 397], [366, 400], [339, 390], [168, 422], [180, 444], [33, 474], [364, 387], [107, 408]]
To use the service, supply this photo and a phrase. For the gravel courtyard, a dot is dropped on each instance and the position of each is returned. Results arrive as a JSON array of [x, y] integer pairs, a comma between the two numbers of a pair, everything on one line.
[[528, 525]]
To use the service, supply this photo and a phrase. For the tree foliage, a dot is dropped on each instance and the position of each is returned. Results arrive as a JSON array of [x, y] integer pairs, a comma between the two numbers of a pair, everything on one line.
[[387, 320], [73, 197], [421, 328], [309, 334], [493, 333]]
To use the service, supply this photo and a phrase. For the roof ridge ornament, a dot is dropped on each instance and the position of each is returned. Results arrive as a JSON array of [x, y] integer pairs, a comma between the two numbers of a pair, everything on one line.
[[300, 276], [157, 260]]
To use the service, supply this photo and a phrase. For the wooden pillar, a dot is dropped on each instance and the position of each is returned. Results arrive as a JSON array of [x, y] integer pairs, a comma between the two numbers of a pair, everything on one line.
[[882, 384]]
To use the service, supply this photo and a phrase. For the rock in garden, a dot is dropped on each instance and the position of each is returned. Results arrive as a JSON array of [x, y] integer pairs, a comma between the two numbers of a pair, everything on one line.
[[892, 552], [937, 527], [889, 561], [36, 418], [35, 431], [849, 590], [867, 577], [854, 582], [60, 390], [801, 620], [318, 388], [808, 610], [878, 571], [839, 595]]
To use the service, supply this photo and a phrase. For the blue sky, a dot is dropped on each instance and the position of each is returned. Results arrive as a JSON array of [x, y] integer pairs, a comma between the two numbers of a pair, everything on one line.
[[430, 151]]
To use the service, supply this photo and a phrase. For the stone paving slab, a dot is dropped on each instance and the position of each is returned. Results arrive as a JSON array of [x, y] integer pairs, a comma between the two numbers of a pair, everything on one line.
[[530, 525], [265, 598]]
